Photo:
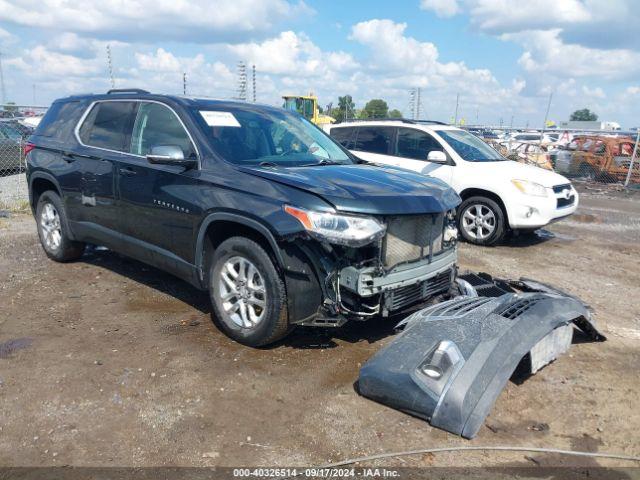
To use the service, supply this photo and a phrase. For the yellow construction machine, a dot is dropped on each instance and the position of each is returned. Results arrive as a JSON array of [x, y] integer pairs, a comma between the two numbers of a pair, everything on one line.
[[307, 106]]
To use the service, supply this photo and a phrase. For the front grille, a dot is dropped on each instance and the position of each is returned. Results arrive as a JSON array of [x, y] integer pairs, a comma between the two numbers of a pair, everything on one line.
[[560, 188], [405, 296], [565, 202], [411, 237], [518, 308], [562, 202]]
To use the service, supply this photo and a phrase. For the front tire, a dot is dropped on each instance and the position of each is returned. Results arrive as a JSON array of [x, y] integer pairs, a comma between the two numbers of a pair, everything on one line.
[[248, 295], [481, 221], [53, 231]]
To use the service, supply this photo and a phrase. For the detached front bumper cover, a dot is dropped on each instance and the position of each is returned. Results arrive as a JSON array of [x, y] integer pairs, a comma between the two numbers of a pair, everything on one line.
[[453, 359]]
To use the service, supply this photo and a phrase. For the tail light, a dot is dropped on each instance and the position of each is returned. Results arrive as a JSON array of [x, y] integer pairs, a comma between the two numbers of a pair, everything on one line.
[[27, 147]]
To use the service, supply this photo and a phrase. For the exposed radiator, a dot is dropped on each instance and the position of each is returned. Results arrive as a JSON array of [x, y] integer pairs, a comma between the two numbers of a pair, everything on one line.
[[409, 236]]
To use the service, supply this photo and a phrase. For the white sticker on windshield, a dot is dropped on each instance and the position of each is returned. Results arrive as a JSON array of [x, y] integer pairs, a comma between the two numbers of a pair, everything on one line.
[[219, 119]]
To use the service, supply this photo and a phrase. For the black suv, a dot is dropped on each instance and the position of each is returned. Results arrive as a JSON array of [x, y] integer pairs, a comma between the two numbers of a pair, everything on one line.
[[255, 204]]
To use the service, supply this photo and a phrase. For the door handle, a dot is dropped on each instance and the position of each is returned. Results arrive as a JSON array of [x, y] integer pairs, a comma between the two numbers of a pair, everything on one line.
[[67, 157], [128, 172]]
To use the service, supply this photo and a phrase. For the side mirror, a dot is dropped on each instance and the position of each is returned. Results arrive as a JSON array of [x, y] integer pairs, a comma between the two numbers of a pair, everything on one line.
[[169, 155], [437, 156]]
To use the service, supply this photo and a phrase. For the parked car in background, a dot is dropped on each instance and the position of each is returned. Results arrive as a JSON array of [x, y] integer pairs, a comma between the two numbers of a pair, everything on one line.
[[13, 136], [529, 153], [255, 204], [603, 158], [498, 194]]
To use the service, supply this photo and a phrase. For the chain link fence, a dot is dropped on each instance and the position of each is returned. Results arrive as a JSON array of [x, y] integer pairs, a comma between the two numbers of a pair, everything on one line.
[[604, 158], [17, 123]]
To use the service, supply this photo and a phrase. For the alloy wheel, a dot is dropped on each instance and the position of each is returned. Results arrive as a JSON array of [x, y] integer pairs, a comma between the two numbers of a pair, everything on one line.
[[479, 221], [51, 227], [242, 291]]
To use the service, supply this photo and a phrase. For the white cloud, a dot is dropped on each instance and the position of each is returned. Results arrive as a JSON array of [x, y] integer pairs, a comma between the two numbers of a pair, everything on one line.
[[442, 8], [44, 63], [292, 54], [545, 52], [501, 16], [164, 61], [195, 20], [596, 92]]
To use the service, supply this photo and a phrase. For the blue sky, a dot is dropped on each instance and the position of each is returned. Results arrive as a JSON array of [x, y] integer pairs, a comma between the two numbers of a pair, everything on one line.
[[504, 57]]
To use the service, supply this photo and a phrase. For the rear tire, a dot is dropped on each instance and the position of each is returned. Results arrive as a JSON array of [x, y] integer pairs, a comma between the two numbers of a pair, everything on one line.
[[53, 231], [248, 295], [481, 221]]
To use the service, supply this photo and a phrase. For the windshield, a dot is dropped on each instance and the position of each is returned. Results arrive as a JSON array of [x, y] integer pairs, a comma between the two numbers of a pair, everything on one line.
[[250, 136], [470, 147]]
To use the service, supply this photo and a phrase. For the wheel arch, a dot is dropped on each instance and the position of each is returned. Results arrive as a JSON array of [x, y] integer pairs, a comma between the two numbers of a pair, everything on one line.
[[39, 183], [480, 192], [219, 226]]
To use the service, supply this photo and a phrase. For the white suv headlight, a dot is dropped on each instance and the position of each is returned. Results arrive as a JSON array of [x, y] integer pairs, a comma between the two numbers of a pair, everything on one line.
[[338, 228], [530, 188]]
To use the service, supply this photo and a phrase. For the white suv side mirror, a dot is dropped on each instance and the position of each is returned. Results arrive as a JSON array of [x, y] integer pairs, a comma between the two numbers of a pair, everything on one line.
[[437, 156]]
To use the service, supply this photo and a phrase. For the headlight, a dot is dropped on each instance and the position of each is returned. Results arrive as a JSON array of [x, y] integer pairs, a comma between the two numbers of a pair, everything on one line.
[[337, 228], [530, 188]]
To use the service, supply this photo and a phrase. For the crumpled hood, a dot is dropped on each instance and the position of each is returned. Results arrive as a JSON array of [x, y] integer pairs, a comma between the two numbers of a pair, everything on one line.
[[510, 170], [366, 189]]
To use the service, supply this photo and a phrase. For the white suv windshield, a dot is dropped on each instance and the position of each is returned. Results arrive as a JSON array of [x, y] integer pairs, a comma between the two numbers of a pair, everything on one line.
[[469, 147], [251, 136]]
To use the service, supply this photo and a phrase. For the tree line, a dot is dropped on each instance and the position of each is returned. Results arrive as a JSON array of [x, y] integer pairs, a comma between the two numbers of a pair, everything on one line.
[[375, 108]]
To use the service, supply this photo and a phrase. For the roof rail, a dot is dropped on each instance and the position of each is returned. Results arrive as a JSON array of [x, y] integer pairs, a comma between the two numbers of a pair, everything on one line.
[[403, 120], [433, 122], [384, 119], [126, 90]]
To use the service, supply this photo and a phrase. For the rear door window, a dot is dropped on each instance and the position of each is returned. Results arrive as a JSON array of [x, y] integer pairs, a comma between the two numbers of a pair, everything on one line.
[[375, 139], [157, 125], [415, 144], [345, 136], [107, 125]]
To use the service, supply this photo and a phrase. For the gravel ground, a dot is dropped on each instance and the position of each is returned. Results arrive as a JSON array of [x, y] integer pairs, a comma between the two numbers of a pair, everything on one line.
[[13, 191], [107, 362]]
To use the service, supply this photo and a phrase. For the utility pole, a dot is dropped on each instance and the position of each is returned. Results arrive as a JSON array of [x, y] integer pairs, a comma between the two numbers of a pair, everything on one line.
[[546, 117], [3, 90], [418, 105], [511, 124], [184, 83], [242, 81], [34, 94], [633, 157], [253, 75], [477, 115], [412, 102], [455, 118], [110, 65]]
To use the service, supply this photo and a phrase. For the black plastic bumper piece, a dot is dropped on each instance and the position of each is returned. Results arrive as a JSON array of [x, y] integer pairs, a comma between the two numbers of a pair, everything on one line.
[[453, 359]]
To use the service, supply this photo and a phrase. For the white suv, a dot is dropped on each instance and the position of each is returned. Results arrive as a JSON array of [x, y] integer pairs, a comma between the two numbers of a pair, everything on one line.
[[497, 194]]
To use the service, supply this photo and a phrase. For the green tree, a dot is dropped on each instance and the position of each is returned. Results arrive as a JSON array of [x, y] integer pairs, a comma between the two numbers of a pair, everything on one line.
[[395, 113], [584, 115], [376, 108], [344, 110]]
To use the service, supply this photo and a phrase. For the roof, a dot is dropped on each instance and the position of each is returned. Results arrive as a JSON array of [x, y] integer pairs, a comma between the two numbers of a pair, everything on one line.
[[187, 101], [396, 122]]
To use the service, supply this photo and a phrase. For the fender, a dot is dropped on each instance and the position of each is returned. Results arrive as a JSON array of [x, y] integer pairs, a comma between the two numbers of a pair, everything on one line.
[[232, 217], [45, 176]]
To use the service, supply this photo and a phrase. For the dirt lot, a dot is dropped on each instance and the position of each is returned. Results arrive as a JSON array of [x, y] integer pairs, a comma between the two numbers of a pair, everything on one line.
[[112, 363]]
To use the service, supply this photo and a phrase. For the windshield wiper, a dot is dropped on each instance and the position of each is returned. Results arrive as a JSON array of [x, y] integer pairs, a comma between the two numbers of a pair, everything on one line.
[[324, 161], [268, 164]]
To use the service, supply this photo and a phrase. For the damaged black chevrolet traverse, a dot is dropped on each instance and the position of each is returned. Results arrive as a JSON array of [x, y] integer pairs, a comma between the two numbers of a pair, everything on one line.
[[258, 206]]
